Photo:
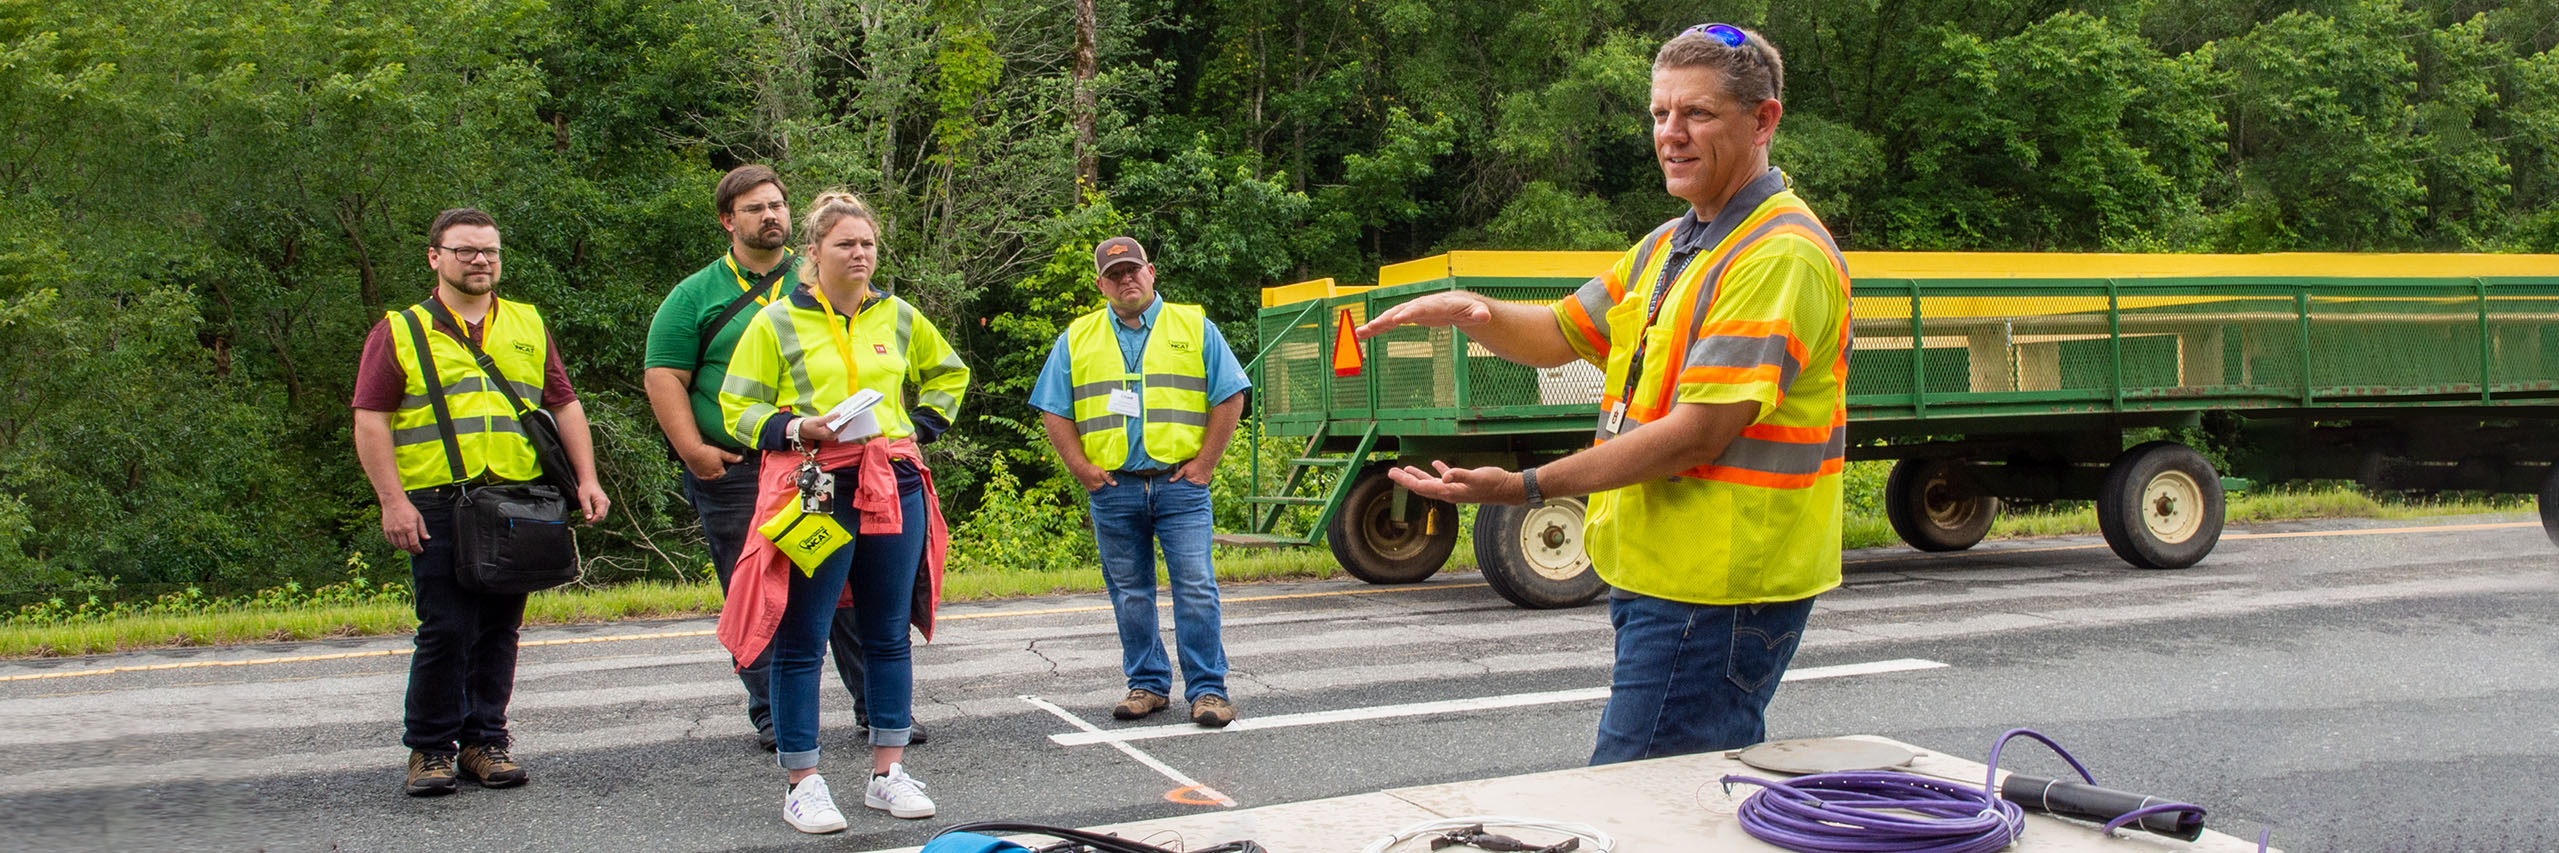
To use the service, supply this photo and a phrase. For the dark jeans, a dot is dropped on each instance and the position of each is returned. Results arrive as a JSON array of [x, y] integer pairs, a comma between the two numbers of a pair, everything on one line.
[[727, 509], [880, 570], [1694, 677], [464, 670]]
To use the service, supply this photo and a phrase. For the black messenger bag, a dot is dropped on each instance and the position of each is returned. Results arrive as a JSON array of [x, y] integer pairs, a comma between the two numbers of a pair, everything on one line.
[[510, 538]]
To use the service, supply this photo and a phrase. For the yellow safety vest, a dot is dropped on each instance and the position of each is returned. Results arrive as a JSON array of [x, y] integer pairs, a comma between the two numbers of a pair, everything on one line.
[[794, 356], [1172, 385], [1762, 522], [484, 423]]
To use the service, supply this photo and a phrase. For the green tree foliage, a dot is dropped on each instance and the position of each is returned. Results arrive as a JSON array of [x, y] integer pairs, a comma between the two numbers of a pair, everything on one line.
[[206, 205]]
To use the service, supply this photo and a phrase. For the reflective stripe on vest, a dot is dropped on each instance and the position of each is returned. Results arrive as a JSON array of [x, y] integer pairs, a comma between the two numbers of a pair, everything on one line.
[[1764, 455], [801, 339], [485, 425], [1172, 385], [1762, 522]]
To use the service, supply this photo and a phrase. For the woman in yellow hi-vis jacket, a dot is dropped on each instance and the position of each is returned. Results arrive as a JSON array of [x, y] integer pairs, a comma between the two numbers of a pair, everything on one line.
[[846, 519]]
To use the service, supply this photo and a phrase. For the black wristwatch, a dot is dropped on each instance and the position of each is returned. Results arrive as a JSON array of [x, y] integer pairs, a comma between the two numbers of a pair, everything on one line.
[[1528, 483]]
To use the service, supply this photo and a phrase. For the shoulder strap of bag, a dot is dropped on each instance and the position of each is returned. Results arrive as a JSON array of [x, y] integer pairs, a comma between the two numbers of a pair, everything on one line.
[[435, 396], [702, 348], [487, 365]]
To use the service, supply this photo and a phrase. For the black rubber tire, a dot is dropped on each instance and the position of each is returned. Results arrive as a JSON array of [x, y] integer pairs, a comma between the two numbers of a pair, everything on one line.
[[2148, 490], [1504, 555], [1375, 548], [2550, 504], [1936, 505]]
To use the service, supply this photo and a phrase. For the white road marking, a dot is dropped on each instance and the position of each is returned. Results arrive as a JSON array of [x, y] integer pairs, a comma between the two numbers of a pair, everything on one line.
[[1178, 777], [1116, 737]]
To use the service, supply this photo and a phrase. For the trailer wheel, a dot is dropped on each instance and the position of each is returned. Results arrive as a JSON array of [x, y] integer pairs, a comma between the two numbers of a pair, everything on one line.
[[1534, 557], [2161, 506], [1936, 505], [1375, 547], [2550, 504]]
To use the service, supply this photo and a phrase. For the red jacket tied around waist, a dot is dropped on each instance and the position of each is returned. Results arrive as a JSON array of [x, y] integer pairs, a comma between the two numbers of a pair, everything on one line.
[[760, 587]]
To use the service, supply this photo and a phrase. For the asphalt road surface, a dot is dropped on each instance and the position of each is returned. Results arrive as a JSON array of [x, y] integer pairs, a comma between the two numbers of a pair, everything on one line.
[[2350, 685]]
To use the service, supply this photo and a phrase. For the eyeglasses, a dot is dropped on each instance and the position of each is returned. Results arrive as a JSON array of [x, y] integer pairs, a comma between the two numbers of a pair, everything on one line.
[[1730, 35], [468, 254], [760, 209]]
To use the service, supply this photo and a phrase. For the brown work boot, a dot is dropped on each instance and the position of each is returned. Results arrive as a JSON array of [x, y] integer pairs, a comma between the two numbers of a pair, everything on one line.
[[430, 774], [490, 764], [1140, 702], [1212, 710]]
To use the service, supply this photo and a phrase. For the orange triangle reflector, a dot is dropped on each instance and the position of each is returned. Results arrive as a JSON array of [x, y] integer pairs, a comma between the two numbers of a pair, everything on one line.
[[1346, 355]]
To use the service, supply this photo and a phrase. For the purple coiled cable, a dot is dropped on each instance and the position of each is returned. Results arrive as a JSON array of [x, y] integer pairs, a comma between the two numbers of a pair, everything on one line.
[[1886, 812]]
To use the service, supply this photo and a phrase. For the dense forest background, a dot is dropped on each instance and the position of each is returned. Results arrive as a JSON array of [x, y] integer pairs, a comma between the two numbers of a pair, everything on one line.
[[205, 203]]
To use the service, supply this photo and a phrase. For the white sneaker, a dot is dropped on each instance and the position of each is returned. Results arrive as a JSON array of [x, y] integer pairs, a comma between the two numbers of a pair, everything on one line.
[[898, 794], [810, 807]]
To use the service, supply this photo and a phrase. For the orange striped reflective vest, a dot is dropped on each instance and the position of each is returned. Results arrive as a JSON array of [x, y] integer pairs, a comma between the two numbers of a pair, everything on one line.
[[1760, 317]]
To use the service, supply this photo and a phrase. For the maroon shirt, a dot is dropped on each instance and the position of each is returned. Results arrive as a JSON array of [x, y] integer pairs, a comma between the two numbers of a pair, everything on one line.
[[381, 381]]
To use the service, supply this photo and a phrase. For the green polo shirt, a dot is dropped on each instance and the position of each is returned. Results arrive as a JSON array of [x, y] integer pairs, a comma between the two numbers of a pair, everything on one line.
[[675, 334]]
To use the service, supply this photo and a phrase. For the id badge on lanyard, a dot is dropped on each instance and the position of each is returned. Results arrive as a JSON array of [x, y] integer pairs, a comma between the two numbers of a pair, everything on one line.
[[1124, 402], [1635, 365]]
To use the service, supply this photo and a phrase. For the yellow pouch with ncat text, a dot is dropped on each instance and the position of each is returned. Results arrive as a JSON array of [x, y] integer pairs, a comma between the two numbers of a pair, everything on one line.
[[805, 537]]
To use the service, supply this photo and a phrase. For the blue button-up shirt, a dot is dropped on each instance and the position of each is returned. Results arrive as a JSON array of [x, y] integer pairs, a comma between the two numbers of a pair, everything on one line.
[[1054, 391]]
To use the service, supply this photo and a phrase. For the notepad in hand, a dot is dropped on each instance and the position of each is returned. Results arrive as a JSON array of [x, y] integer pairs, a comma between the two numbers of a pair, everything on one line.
[[853, 420]]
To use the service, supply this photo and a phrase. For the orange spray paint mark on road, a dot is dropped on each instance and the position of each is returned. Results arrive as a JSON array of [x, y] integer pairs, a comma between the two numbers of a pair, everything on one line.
[[1193, 795]]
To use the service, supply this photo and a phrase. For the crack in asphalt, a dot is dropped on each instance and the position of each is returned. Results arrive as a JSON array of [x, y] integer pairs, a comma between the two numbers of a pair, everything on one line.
[[1054, 669]]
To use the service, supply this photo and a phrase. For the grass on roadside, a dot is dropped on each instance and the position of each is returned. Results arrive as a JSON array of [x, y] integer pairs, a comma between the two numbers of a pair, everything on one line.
[[231, 625]]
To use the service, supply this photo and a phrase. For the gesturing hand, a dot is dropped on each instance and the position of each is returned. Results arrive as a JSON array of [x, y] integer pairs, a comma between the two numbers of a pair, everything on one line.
[[1439, 309], [1462, 485]]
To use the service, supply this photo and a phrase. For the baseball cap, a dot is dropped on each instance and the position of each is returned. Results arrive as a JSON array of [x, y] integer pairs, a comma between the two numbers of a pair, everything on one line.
[[1116, 251]]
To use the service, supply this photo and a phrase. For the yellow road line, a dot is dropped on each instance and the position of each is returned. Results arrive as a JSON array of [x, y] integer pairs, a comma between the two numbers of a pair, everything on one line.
[[667, 635], [2373, 531], [663, 635], [2502, 525]]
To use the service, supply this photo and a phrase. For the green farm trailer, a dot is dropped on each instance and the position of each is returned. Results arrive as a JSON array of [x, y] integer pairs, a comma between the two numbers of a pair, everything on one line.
[[1986, 378]]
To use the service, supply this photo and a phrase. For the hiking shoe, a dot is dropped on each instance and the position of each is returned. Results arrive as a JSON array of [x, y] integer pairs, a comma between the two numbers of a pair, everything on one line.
[[1213, 711], [898, 794], [810, 807], [1140, 702], [490, 764], [430, 774]]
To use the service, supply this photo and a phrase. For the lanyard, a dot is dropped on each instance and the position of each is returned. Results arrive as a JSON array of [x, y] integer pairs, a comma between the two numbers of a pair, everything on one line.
[[745, 284], [843, 339], [1652, 312]]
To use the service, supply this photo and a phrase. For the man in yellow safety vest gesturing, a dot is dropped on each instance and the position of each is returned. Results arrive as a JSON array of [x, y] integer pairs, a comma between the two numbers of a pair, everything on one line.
[[1714, 475]]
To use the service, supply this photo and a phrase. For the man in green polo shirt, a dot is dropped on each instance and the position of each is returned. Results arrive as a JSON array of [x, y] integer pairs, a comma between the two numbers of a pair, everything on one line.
[[688, 357]]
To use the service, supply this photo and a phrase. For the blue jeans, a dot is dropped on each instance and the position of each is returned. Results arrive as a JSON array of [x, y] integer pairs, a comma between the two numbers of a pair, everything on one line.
[[463, 673], [1128, 520], [727, 509], [1694, 677], [880, 569]]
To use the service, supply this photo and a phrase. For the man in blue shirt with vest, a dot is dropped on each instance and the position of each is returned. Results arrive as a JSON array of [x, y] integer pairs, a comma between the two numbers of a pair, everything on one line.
[[1140, 398]]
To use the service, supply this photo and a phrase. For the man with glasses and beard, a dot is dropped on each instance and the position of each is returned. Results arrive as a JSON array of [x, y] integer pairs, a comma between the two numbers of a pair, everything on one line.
[[690, 341], [420, 445]]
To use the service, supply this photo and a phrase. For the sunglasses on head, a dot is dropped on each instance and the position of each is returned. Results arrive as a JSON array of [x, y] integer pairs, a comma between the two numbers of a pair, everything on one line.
[[1730, 35]]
